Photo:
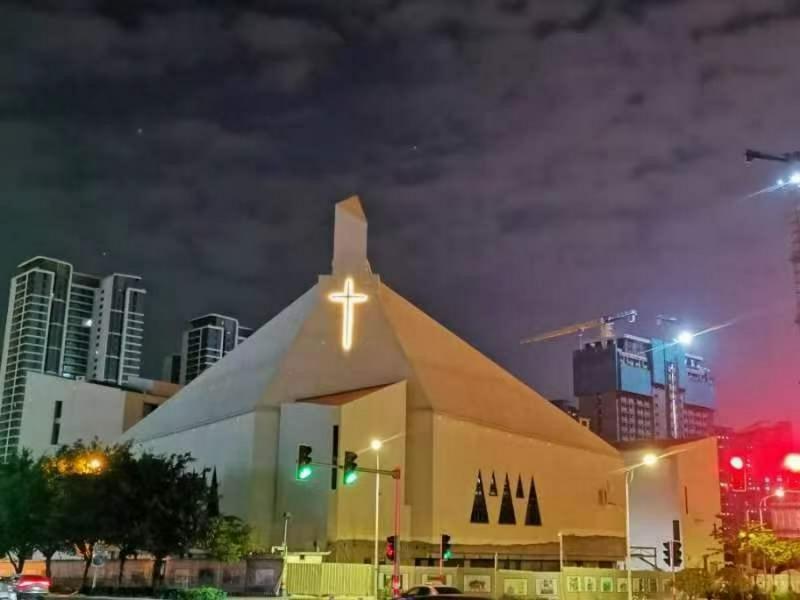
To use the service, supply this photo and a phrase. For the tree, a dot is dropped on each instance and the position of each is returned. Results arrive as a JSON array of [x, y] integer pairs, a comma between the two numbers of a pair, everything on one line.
[[229, 539], [175, 501], [88, 475], [213, 496], [25, 499], [693, 582]]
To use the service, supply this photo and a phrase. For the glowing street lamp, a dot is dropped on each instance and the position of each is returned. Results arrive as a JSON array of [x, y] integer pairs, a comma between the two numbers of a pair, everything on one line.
[[685, 338]]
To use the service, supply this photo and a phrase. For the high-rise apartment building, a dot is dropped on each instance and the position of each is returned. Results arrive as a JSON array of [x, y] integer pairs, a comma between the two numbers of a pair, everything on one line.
[[207, 339], [633, 388], [54, 325], [118, 329]]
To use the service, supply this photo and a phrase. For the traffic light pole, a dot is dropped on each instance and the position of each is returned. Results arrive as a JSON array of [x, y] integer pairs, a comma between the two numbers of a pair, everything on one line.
[[397, 506]]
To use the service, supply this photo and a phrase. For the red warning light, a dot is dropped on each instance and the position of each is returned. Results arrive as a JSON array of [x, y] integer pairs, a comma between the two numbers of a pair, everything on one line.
[[792, 462], [738, 464]]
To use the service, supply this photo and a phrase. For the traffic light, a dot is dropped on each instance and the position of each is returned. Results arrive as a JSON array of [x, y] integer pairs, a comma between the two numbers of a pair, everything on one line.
[[738, 474], [677, 554], [673, 554], [350, 468], [390, 548], [447, 550], [304, 469]]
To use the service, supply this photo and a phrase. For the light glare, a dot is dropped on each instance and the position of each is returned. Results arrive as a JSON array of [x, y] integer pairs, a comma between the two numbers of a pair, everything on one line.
[[794, 178], [792, 462], [737, 463], [685, 338], [649, 459], [780, 492], [376, 444]]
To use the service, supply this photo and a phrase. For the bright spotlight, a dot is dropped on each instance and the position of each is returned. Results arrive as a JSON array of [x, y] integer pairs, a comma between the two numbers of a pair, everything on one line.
[[376, 444], [780, 492], [781, 182], [794, 178], [685, 338], [737, 463], [649, 459]]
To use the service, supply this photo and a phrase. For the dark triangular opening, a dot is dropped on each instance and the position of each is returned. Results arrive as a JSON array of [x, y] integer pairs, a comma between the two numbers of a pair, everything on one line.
[[480, 514], [520, 491], [532, 514], [493, 486], [507, 516]]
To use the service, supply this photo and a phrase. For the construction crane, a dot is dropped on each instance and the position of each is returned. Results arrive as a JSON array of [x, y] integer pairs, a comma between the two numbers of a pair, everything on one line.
[[604, 323]]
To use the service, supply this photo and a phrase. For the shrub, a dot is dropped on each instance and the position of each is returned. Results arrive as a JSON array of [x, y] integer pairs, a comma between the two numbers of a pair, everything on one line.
[[202, 593]]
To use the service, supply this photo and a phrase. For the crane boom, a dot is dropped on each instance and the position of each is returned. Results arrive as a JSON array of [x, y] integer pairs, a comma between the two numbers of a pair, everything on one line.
[[629, 315]]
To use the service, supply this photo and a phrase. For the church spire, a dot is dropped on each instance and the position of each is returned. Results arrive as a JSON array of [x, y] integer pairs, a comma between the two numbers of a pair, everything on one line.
[[350, 238]]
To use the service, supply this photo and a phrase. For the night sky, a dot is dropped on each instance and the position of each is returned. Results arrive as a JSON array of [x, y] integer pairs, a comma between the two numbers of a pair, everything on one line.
[[523, 165]]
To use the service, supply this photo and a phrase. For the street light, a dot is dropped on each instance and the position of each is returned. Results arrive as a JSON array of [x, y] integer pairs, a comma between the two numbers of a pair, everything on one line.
[[648, 460], [376, 445], [778, 493], [685, 338]]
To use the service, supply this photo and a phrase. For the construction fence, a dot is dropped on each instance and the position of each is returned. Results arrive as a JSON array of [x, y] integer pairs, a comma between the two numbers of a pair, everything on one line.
[[262, 577], [329, 579]]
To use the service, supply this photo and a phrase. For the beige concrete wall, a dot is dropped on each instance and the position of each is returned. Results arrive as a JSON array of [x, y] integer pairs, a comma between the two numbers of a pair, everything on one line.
[[228, 446], [568, 482], [379, 415], [134, 407], [88, 411], [698, 484]]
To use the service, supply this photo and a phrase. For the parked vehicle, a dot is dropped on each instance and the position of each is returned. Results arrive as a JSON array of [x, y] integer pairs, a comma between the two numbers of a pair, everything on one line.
[[422, 591], [7, 591], [30, 587]]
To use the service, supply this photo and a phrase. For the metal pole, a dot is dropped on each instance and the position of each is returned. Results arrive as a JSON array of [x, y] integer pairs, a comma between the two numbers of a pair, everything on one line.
[[561, 578], [284, 589], [377, 520], [628, 478], [396, 571], [672, 566]]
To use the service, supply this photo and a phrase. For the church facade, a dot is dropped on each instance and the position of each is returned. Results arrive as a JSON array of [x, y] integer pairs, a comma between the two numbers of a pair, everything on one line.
[[483, 458]]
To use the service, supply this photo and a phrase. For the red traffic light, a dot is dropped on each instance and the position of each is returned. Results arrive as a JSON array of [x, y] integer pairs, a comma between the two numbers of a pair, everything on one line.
[[390, 548], [737, 463]]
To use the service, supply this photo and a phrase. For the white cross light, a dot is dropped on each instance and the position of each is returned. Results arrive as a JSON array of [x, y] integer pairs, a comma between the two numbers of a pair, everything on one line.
[[348, 299]]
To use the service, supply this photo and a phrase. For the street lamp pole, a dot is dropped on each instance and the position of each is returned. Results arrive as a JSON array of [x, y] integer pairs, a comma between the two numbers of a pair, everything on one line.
[[628, 573], [647, 461]]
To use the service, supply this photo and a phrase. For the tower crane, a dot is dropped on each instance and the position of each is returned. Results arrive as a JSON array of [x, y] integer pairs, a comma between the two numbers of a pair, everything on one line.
[[604, 323]]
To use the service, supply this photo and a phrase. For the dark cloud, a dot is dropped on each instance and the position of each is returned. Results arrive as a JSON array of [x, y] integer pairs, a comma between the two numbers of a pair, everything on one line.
[[540, 162]]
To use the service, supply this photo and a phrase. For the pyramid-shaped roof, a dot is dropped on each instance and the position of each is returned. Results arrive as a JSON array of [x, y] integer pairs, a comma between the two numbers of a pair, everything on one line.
[[296, 356]]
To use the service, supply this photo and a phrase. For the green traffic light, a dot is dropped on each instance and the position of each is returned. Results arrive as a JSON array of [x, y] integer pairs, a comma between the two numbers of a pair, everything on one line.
[[448, 554], [304, 472], [350, 477]]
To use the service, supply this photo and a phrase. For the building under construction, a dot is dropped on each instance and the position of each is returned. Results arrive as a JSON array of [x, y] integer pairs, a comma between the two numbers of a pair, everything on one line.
[[633, 388]]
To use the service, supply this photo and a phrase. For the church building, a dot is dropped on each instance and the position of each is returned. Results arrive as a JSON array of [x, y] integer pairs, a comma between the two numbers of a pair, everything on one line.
[[482, 457]]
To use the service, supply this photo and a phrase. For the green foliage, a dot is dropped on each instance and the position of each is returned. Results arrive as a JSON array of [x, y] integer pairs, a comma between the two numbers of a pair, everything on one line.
[[202, 593], [761, 541], [731, 582], [25, 503], [229, 539], [693, 582], [91, 494]]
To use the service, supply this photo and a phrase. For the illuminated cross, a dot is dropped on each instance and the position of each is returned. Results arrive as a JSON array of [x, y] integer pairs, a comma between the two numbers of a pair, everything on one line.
[[348, 299]]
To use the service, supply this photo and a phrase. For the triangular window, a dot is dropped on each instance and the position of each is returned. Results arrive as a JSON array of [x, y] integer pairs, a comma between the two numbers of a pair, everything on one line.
[[507, 516], [480, 513], [520, 491], [532, 514], [493, 486]]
